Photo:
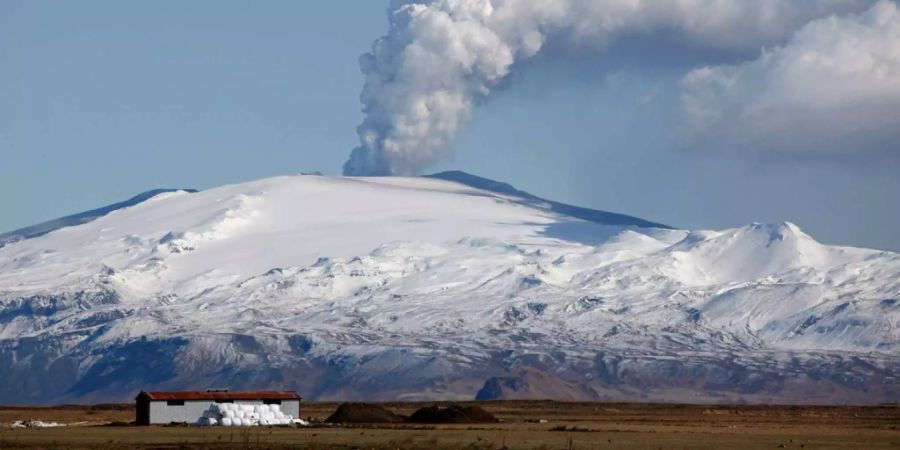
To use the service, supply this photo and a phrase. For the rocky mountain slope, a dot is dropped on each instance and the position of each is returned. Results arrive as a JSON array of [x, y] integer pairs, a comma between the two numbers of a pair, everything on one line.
[[448, 286]]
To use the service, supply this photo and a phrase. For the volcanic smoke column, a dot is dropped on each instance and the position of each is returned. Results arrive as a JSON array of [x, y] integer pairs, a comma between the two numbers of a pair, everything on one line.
[[441, 57], [422, 80]]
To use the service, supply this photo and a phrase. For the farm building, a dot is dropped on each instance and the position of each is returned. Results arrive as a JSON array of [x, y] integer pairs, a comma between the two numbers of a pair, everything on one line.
[[156, 407]]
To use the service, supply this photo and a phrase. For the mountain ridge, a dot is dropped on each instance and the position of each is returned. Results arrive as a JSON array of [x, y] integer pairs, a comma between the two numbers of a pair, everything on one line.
[[458, 176], [49, 226], [562, 208]]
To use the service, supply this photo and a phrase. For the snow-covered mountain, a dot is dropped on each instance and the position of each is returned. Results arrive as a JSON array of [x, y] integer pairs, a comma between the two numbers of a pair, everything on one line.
[[448, 286]]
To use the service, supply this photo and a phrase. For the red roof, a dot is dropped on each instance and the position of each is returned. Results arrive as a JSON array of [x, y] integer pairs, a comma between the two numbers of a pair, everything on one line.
[[202, 395]]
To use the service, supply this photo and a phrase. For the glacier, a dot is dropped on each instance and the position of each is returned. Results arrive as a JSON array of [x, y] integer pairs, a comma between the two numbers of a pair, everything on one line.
[[442, 287]]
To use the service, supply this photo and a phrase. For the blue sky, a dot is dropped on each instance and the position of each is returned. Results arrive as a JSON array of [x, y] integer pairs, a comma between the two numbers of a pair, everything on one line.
[[100, 100]]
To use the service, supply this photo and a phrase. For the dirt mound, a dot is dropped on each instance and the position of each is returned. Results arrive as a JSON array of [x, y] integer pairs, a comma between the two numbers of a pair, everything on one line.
[[363, 413], [451, 414]]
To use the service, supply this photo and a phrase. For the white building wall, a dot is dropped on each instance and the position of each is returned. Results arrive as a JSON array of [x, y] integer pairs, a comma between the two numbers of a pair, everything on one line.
[[291, 407], [163, 413]]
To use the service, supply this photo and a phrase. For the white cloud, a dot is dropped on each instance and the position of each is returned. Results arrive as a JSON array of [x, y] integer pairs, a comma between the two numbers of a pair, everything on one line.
[[832, 91], [441, 57]]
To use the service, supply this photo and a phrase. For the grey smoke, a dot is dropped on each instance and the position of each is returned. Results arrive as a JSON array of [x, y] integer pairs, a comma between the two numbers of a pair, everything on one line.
[[440, 58]]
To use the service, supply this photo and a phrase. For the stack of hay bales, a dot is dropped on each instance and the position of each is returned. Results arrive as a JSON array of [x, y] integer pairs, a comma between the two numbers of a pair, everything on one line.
[[244, 415], [272, 415]]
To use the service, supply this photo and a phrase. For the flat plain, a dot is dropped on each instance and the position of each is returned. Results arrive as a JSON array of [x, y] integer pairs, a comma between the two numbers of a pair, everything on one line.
[[524, 424]]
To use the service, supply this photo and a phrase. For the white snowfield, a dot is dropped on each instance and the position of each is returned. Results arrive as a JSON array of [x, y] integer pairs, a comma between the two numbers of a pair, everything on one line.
[[422, 278]]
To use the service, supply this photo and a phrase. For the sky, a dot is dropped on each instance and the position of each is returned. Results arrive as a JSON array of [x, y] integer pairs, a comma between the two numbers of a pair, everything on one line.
[[101, 100]]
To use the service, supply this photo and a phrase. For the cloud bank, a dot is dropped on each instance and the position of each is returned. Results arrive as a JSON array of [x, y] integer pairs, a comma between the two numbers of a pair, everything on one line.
[[440, 58], [832, 91]]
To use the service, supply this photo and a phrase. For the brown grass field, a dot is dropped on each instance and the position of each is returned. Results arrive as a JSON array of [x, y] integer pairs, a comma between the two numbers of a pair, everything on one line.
[[567, 426]]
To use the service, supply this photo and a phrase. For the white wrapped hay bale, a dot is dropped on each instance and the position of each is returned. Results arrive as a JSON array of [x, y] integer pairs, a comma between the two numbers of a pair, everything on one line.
[[226, 422], [213, 421]]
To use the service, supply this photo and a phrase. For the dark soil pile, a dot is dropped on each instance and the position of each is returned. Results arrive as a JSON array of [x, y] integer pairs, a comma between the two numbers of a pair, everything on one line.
[[451, 414], [363, 413]]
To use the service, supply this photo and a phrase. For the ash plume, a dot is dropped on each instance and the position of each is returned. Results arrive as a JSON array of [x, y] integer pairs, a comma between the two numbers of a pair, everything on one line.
[[440, 58]]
